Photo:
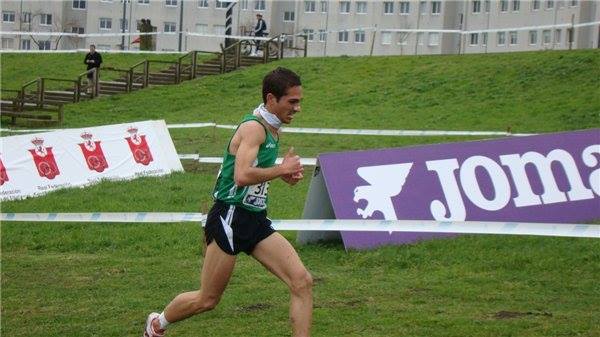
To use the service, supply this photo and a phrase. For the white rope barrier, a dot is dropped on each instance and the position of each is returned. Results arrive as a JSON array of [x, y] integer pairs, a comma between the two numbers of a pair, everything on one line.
[[219, 160], [330, 131], [390, 226], [283, 36]]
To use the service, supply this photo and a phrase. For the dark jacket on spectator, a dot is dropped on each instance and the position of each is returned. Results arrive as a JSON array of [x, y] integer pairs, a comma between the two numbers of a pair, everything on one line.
[[259, 29], [96, 57]]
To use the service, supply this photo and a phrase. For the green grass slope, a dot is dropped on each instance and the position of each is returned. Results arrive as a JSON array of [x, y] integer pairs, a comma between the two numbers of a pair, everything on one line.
[[102, 279]]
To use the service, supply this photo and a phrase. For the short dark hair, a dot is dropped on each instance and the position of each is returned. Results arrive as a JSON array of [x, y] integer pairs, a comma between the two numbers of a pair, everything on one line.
[[93, 45], [278, 81]]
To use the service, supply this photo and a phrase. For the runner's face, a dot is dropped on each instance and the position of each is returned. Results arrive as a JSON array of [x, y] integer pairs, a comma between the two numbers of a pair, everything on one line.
[[287, 106]]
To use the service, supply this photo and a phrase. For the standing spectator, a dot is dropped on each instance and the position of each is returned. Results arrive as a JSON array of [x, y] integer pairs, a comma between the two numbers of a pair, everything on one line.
[[92, 59], [260, 30]]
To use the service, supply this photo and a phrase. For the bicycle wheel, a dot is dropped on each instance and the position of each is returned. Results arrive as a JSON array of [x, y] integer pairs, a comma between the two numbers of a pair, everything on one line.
[[274, 49], [246, 47]]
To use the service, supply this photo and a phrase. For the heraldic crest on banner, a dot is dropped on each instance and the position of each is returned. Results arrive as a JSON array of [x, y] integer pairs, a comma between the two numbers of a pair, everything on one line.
[[44, 159], [3, 174], [139, 147], [92, 151]]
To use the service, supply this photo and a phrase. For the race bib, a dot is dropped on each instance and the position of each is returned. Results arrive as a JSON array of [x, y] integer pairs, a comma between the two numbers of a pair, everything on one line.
[[256, 196]]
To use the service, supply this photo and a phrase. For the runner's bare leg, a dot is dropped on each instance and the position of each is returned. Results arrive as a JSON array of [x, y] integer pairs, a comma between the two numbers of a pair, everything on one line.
[[279, 257], [216, 272]]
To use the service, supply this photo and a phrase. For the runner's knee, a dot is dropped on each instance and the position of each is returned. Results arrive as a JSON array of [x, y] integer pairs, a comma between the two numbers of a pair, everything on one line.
[[302, 282], [206, 303]]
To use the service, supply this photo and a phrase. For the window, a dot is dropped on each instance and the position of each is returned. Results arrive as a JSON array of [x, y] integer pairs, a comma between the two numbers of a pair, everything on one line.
[[221, 4], [487, 6], [404, 7], [44, 45], [289, 16], [201, 28], [243, 4], [310, 34], [343, 36], [532, 37], [26, 17], [322, 35], [573, 3], [388, 7], [8, 16], [103, 47], [361, 7], [171, 3], [78, 4], [535, 5], [420, 38], [46, 19], [26, 44], [476, 7], [474, 39], [546, 36], [7, 43], [324, 6], [501, 38], [503, 5], [436, 7], [106, 23], [78, 30], [434, 39], [359, 36], [310, 6], [144, 2], [514, 38], [386, 37], [516, 5], [170, 27], [219, 29], [402, 38], [549, 4], [484, 39], [557, 36], [259, 5], [123, 25], [423, 7], [344, 7], [202, 3]]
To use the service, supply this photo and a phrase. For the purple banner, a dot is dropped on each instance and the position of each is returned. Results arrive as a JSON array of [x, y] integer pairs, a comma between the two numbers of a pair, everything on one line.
[[545, 178]]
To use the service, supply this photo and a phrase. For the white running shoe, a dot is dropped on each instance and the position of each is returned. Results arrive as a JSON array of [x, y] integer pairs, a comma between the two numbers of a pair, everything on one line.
[[149, 330]]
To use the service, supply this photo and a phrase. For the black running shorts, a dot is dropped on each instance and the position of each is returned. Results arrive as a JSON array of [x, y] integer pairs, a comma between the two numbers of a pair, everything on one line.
[[236, 229]]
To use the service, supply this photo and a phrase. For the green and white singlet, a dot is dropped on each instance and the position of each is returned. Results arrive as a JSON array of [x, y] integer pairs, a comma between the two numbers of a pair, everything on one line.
[[254, 197]]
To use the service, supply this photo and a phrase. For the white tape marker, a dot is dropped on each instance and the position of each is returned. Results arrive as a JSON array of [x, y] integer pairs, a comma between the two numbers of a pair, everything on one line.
[[328, 131], [219, 160], [104, 217], [458, 227]]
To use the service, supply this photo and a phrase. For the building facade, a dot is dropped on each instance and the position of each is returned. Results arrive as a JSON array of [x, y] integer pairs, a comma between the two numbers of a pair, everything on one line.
[[346, 27]]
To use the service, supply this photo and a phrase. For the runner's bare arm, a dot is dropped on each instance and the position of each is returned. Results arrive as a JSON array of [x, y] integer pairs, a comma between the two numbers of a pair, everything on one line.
[[250, 136]]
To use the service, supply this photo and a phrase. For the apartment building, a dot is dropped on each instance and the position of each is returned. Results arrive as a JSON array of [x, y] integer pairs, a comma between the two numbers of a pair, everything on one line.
[[346, 27]]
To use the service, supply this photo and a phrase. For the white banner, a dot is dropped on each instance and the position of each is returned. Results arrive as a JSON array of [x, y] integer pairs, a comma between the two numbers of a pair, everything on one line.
[[34, 164]]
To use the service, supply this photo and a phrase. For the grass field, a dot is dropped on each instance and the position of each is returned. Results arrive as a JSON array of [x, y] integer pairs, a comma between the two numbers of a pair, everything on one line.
[[18, 69], [102, 279]]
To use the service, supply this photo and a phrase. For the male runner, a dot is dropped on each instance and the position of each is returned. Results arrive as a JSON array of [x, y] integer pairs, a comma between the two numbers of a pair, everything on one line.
[[238, 221]]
